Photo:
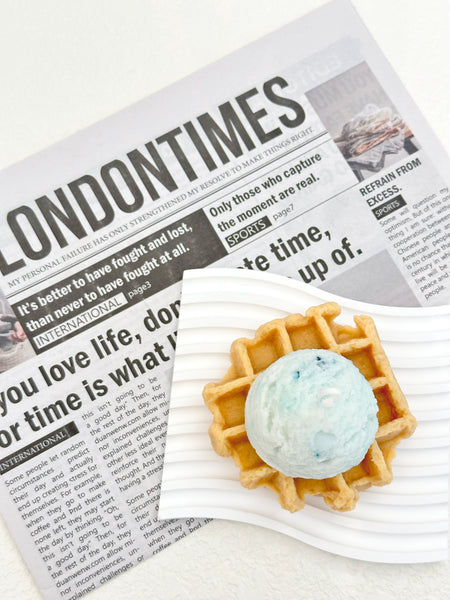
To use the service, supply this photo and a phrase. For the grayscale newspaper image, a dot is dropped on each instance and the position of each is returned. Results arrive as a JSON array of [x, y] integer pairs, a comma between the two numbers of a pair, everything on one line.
[[316, 166]]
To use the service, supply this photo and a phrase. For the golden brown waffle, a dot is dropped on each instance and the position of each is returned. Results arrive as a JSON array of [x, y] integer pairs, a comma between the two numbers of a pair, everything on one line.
[[317, 329]]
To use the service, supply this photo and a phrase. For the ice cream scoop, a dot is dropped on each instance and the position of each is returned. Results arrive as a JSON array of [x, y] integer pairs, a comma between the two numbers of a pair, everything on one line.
[[311, 414]]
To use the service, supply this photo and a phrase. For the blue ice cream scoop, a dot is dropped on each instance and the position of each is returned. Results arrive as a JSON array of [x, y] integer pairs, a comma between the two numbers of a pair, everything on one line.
[[311, 414]]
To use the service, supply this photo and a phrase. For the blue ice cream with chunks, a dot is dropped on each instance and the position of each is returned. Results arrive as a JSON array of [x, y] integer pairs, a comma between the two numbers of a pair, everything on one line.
[[311, 414]]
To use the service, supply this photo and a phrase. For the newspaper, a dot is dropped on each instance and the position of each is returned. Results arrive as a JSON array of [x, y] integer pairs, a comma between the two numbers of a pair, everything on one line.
[[312, 163]]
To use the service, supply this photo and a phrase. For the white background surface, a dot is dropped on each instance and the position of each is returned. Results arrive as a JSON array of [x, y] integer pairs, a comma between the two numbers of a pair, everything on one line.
[[66, 65]]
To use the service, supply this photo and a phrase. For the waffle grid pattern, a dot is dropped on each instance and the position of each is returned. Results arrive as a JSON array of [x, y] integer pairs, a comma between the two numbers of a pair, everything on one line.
[[316, 329]]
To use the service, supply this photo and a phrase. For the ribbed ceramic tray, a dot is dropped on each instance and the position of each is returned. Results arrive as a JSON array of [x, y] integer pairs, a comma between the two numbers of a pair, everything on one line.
[[404, 522]]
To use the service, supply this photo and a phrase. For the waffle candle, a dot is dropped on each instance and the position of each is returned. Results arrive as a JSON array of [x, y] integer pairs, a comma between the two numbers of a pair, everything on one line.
[[318, 331]]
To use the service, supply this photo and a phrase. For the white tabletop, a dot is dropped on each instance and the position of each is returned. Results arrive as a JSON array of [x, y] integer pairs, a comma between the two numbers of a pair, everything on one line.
[[66, 65]]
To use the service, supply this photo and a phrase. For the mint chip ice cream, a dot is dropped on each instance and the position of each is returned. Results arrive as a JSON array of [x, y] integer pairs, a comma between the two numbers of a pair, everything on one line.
[[311, 414]]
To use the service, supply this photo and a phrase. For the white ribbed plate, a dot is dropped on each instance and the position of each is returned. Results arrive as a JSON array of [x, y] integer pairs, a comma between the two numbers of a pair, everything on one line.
[[404, 522]]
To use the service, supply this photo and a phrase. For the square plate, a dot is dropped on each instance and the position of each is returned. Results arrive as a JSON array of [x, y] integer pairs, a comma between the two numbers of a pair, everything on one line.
[[404, 522]]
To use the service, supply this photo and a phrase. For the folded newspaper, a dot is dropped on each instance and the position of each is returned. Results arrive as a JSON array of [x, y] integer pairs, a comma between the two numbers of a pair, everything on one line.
[[312, 163]]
